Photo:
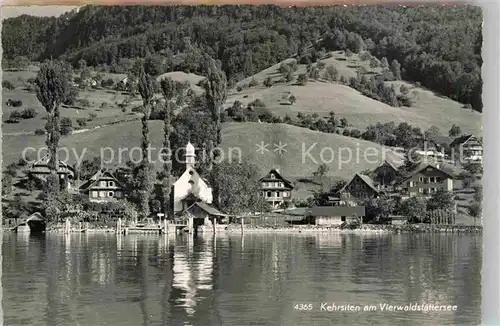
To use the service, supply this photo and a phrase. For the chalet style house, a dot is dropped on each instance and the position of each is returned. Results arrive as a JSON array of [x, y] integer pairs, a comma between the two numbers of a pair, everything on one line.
[[276, 189], [103, 187], [385, 175], [40, 171], [360, 187], [425, 180], [469, 147]]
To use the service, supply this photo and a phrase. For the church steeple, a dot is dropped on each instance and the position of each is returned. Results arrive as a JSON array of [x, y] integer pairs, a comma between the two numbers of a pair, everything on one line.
[[190, 156]]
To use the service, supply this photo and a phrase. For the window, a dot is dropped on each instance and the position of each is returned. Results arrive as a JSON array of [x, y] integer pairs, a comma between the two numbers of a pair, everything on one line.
[[103, 183], [111, 184], [94, 194], [285, 194], [438, 179], [263, 184], [102, 194], [411, 184], [268, 194], [280, 184], [272, 176], [278, 194], [111, 194], [342, 219], [421, 179]]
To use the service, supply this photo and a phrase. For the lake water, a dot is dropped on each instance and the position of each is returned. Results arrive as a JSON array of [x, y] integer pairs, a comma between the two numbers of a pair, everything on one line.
[[102, 279]]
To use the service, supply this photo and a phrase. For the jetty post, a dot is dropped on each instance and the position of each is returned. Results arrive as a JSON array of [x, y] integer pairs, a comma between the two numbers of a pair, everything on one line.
[[165, 226], [119, 226], [67, 226], [80, 227], [214, 224], [242, 224], [190, 225]]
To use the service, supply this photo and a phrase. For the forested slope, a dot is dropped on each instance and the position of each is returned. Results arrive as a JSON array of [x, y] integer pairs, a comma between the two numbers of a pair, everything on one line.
[[437, 46]]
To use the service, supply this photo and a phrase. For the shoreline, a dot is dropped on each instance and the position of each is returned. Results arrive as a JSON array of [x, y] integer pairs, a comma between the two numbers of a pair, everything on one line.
[[367, 228]]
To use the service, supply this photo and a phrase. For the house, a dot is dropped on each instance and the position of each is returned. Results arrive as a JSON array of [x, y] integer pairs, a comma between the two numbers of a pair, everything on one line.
[[425, 180], [385, 175], [469, 147], [334, 215], [275, 188], [103, 186], [40, 171], [190, 187], [360, 187]]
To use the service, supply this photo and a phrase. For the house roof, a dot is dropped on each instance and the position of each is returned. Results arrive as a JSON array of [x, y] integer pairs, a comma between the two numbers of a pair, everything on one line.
[[45, 160], [279, 177], [207, 208], [101, 173], [460, 140], [388, 164], [422, 167], [366, 179]]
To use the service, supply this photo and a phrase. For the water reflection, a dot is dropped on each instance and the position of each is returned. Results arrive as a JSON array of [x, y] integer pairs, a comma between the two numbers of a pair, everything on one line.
[[92, 279]]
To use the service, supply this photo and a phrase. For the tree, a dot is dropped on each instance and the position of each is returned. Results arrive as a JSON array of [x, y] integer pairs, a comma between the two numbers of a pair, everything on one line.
[[348, 54], [7, 184], [441, 199], [379, 209], [146, 89], [374, 63], [52, 87], [414, 209], [7, 85], [384, 63], [475, 210], [215, 93], [455, 131], [238, 185], [396, 69], [478, 192], [268, 82], [473, 168], [322, 171], [467, 179], [432, 133], [66, 126], [331, 73], [343, 123], [167, 88]]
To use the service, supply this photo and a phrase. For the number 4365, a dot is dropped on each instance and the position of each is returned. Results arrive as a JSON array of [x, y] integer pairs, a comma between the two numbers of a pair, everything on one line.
[[303, 306]]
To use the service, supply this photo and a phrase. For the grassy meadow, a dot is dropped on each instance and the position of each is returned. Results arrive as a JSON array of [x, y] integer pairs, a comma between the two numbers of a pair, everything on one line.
[[321, 97]]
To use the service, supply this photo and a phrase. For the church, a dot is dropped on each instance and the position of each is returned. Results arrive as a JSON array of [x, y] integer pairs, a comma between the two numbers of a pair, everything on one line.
[[191, 195]]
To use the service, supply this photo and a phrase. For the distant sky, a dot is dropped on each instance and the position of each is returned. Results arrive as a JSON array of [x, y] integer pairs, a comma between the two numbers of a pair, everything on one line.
[[14, 11]]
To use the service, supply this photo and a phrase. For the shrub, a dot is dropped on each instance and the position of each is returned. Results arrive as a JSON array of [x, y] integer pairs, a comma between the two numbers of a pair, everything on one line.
[[15, 117], [66, 126], [7, 85], [346, 132], [39, 132], [253, 83], [268, 82], [137, 109], [29, 113], [14, 103], [404, 89], [355, 133], [81, 122], [92, 116], [124, 109], [83, 102], [302, 80], [239, 88]]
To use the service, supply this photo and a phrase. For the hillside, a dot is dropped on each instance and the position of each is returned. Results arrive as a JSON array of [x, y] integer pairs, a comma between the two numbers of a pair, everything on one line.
[[237, 138], [322, 97], [102, 102], [438, 46]]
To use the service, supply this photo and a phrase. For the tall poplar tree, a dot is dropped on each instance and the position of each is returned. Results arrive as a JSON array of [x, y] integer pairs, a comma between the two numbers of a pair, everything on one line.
[[168, 90]]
